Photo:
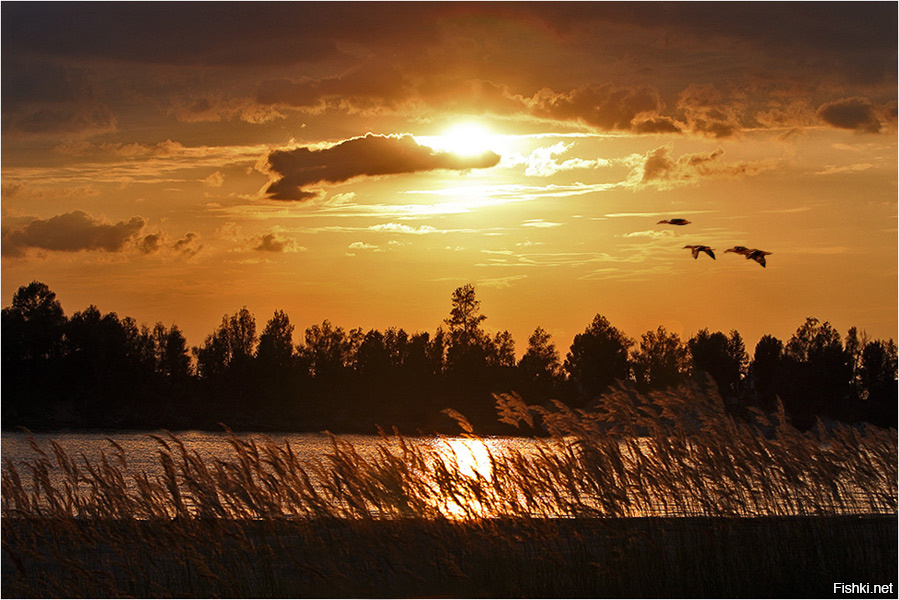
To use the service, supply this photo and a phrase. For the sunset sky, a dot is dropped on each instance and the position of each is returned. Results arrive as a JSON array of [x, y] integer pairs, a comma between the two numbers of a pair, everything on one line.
[[358, 162]]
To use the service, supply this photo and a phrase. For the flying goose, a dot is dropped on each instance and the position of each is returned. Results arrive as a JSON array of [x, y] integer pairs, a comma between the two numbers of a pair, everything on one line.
[[700, 248], [750, 253], [758, 256], [674, 221]]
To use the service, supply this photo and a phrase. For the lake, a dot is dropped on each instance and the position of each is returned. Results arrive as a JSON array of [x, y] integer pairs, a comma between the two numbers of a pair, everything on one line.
[[141, 448], [139, 452], [314, 474]]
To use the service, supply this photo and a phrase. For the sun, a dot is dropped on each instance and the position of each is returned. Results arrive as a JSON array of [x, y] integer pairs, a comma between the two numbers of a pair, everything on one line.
[[467, 138]]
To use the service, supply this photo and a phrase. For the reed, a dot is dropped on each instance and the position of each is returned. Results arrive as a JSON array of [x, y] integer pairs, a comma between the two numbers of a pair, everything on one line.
[[658, 494]]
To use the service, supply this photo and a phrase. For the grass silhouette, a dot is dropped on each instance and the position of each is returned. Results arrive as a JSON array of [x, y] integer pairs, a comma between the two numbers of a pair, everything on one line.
[[637, 495]]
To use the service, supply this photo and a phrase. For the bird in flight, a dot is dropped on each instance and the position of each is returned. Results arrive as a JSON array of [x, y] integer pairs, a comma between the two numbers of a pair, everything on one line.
[[677, 221], [758, 256], [696, 249], [750, 253]]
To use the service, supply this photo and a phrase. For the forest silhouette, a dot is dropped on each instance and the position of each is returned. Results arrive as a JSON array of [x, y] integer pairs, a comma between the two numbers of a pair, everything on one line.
[[94, 370]]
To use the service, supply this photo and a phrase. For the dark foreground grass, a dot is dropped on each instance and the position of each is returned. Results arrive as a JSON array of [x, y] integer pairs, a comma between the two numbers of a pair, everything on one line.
[[767, 557]]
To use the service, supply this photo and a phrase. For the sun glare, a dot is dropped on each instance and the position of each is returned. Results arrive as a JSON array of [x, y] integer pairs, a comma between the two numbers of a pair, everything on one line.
[[465, 139]]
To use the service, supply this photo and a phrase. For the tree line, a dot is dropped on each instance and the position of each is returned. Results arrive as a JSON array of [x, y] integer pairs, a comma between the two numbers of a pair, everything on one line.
[[94, 370]]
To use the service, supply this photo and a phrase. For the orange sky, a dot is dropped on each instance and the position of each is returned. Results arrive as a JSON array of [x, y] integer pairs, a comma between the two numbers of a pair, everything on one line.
[[358, 162]]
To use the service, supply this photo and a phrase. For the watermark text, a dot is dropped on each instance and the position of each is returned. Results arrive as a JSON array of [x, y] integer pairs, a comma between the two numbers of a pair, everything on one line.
[[862, 588]]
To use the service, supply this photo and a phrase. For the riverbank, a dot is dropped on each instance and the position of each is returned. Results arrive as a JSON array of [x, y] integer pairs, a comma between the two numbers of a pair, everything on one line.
[[784, 557]]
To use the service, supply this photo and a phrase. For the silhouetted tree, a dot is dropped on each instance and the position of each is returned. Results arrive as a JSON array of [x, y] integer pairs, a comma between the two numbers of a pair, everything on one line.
[[34, 325], [230, 348], [99, 370], [540, 370], [598, 357], [373, 358], [225, 364], [396, 343], [109, 368], [766, 371], [330, 352], [661, 360], [469, 347], [275, 352], [437, 350], [723, 357], [878, 371], [280, 377], [465, 317], [854, 344], [172, 357], [819, 372], [424, 357], [32, 330], [503, 351]]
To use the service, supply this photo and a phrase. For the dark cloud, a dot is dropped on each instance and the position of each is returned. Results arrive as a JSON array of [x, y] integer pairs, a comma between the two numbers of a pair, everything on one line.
[[851, 113], [855, 40], [287, 32], [272, 242], [612, 66], [165, 33], [40, 97], [371, 155], [149, 243], [709, 111], [188, 246], [374, 81], [64, 120], [217, 33], [657, 125], [606, 107], [153, 243], [71, 232], [42, 82], [659, 168]]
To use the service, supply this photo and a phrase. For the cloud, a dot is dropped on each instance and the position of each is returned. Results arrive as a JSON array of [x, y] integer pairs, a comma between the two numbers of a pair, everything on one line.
[[71, 232], [853, 168], [709, 112], [659, 168], [658, 124], [540, 224], [231, 35], [372, 84], [42, 82], [606, 107], [188, 246], [271, 242], [361, 246], [370, 156], [215, 109], [70, 120], [149, 243], [41, 98], [651, 234], [159, 243], [851, 113], [501, 282], [541, 162], [401, 228], [783, 110], [214, 180]]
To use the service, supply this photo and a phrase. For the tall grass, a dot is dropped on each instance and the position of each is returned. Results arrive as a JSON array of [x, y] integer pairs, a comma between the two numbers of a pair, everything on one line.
[[263, 522]]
